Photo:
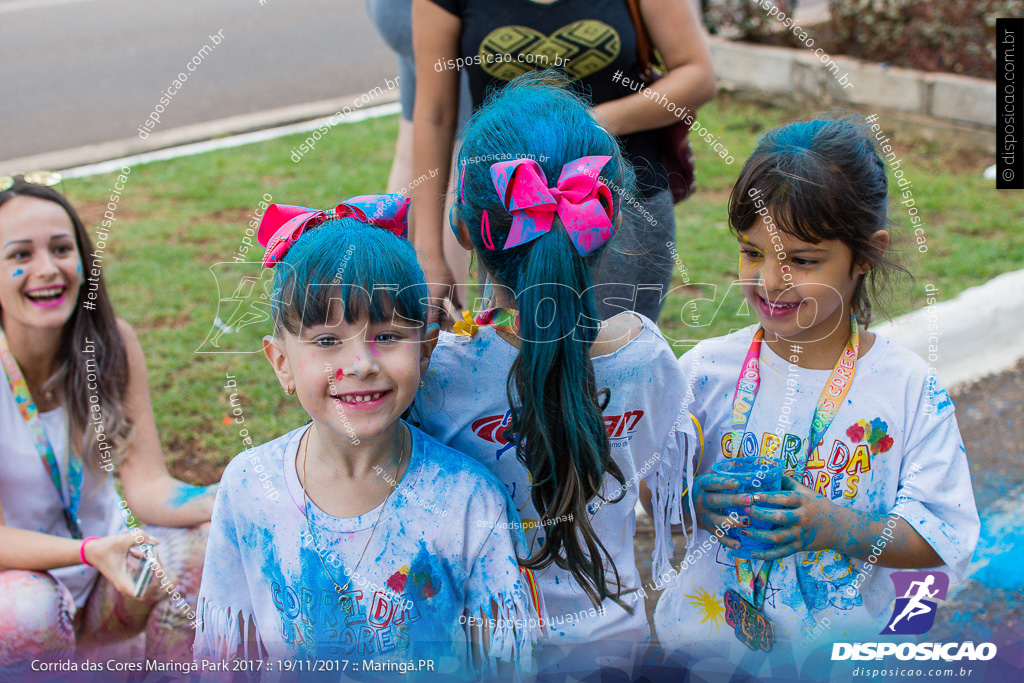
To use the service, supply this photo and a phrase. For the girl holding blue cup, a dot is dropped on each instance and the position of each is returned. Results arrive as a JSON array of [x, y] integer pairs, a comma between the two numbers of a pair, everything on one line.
[[859, 435], [751, 475]]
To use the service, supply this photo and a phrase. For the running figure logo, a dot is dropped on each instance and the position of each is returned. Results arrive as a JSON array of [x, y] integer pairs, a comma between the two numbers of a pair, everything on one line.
[[914, 613], [251, 288]]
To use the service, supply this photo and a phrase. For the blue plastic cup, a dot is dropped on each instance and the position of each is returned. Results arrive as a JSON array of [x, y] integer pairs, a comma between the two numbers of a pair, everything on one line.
[[754, 475]]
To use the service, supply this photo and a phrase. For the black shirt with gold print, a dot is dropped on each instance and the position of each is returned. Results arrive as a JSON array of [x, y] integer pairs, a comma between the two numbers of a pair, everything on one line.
[[590, 40]]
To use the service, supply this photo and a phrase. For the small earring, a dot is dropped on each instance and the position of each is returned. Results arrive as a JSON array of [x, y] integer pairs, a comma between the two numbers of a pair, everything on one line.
[[422, 384], [289, 392]]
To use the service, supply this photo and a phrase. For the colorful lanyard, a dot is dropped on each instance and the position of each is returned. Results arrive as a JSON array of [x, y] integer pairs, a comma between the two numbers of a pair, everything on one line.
[[27, 406], [832, 396], [533, 590]]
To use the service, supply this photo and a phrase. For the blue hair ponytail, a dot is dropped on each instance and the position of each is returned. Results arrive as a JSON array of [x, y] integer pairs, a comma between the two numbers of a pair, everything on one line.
[[557, 418]]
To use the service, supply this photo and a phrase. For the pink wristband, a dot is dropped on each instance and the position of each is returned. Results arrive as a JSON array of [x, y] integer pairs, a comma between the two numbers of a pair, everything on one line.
[[81, 549]]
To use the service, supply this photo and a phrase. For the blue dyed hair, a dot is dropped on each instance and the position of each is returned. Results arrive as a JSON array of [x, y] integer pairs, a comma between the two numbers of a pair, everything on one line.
[[557, 419], [823, 179], [372, 271]]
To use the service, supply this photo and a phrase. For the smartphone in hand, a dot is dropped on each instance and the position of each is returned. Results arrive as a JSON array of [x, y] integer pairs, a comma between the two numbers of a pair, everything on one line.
[[143, 574]]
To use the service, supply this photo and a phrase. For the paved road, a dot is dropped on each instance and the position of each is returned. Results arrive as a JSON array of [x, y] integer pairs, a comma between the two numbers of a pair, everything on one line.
[[78, 72]]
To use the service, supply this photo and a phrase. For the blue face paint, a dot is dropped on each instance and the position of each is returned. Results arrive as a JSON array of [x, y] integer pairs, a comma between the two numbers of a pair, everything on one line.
[[18, 272]]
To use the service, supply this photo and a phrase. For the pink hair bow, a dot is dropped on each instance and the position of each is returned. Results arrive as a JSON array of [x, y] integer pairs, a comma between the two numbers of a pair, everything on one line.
[[283, 224], [581, 201]]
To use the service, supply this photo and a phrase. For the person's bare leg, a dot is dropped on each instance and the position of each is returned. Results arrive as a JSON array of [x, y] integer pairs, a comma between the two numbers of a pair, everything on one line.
[[400, 181], [458, 261], [454, 254]]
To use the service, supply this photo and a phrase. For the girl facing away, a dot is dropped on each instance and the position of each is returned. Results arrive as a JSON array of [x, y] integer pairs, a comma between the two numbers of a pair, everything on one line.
[[388, 547], [875, 477], [572, 414]]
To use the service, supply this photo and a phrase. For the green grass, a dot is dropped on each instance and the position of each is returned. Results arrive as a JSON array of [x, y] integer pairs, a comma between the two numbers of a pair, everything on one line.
[[177, 218], [969, 227]]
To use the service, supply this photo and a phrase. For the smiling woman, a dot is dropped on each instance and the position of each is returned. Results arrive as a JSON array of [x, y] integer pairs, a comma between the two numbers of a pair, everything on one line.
[[74, 402]]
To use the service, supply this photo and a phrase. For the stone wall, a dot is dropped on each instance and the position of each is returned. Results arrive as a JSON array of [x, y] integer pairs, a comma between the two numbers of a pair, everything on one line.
[[769, 73]]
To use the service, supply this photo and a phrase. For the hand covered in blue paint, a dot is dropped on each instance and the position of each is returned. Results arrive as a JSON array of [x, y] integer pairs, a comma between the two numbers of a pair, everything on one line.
[[712, 493], [803, 518]]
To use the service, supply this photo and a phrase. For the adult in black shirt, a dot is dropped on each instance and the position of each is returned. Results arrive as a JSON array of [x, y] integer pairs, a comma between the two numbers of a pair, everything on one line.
[[594, 42]]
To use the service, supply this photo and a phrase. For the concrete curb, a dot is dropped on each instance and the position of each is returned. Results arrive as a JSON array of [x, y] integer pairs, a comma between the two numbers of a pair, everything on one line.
[[978, 333], [788, 72], [209, 130]]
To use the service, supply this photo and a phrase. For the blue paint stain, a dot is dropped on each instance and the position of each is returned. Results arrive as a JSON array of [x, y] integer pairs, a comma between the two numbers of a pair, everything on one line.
[[999, 558], [286, 600], [186, 493], [938, 396], [18, 272]]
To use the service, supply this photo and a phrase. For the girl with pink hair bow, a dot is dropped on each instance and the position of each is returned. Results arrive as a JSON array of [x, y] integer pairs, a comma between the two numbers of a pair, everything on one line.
[[384, 546], [574, 415]]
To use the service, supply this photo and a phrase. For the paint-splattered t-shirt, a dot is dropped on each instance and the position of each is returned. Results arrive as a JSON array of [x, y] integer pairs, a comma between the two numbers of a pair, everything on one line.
[[465, 406], [893, 447], [444, 549]]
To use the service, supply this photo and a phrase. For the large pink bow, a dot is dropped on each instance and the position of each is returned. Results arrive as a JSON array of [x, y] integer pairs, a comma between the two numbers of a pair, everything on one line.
[[283, 224], [583, 202]]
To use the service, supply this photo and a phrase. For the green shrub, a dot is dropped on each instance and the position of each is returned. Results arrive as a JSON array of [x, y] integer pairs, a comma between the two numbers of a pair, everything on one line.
[[956, 36], [747, 17]]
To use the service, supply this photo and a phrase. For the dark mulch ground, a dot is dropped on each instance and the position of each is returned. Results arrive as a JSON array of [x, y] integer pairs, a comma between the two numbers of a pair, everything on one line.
[[991, 602]]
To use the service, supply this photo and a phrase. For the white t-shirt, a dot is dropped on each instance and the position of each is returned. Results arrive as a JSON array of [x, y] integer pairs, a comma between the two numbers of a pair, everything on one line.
[[893, 447], [29, 498], [443, 549], [464, 405]]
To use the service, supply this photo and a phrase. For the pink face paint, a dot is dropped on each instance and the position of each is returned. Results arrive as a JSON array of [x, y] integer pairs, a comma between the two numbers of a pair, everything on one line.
[[339, 374]]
